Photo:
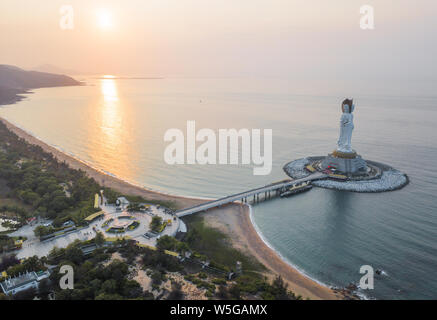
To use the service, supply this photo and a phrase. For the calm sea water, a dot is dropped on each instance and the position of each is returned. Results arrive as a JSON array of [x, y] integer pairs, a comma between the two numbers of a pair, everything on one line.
[[118, 125]]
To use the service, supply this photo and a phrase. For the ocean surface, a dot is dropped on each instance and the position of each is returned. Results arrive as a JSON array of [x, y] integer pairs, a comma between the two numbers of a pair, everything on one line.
[[118, 125]]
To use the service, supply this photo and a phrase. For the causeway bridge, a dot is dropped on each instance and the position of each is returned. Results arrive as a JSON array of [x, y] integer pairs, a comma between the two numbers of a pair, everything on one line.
[[267, 190]]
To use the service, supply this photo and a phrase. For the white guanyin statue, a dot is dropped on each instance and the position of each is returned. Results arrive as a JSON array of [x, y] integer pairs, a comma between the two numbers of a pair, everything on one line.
[[346, 127]]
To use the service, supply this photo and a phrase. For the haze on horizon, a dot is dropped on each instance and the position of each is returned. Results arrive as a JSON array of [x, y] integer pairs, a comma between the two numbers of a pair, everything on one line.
[[315, 40]]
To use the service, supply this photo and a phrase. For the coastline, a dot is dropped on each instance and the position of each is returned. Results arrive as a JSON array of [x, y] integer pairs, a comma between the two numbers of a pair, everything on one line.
[[234, 220], [100, 176], [242, 232], [10, 96]]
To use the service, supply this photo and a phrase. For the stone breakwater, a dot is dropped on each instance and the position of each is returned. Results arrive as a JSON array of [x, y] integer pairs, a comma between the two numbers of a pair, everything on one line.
[[390, 179]]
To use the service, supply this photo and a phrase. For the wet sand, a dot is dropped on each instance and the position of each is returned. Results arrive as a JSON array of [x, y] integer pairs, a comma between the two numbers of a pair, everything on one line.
[[233, 219]]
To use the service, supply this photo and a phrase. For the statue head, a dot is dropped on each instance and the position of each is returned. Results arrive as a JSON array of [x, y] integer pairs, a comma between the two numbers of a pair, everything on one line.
[[348, 106]]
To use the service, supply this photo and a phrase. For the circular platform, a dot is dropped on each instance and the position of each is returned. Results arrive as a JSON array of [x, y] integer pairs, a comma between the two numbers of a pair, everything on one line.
[[120, 224], [378, 177]]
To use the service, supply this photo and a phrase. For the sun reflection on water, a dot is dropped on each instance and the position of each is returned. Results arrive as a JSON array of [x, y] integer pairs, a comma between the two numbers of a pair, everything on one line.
[[111, 115], [109, 89], [111, 143]]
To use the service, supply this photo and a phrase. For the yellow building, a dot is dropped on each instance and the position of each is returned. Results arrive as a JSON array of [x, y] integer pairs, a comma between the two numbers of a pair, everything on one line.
[[96, 201], [19, 244]]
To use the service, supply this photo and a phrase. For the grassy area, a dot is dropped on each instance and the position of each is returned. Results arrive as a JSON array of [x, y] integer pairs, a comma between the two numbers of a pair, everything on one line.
[[216, 245]]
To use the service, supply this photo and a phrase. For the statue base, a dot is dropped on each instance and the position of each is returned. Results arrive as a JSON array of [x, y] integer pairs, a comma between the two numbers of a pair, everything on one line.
[[345, 162], [344, 155]]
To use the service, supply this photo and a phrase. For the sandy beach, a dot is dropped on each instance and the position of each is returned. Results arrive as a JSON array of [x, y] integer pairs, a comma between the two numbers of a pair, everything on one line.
[[101, 177], [233, 219]]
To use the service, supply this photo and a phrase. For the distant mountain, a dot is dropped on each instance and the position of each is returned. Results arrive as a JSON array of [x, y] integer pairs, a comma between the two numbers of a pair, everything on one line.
[[54, 69], [14, 81], [14, 77]]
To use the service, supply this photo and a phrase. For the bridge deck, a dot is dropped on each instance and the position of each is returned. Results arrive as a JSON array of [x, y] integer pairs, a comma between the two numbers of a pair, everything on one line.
[[239, 196]]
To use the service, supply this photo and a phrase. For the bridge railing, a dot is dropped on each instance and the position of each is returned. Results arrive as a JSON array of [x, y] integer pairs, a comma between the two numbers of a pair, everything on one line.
[[269, 187], [237, 195]]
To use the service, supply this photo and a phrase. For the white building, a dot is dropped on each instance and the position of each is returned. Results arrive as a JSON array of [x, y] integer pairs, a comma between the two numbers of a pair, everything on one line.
[[23, 282], [121, 203]]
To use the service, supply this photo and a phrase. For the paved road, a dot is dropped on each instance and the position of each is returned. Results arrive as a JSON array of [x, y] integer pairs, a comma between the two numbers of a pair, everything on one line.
[[239, 196], [32, 246]]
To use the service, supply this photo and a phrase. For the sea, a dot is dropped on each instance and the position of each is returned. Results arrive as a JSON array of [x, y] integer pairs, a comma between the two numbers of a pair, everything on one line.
[[117, 124]]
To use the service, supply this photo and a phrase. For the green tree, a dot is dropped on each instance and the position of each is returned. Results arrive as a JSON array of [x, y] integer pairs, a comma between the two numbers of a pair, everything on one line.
[[30, 264], [109, 286], [74, 254], [167, 243], [44, 289], [28, 294], [176, 291], [96, 284], [235, 292], [280, 289], [156, 278], [156, 223], [106, 296], [99, 239], [40, 231]]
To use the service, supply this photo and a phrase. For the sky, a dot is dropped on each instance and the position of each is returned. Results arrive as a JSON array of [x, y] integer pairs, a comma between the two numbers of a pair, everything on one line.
[[307, 39]]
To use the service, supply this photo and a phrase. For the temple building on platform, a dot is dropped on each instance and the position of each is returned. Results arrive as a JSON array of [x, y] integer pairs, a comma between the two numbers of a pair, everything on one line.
[[23, 282]]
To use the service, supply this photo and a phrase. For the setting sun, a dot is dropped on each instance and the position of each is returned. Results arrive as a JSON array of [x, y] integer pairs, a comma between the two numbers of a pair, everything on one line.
[[104, 19]]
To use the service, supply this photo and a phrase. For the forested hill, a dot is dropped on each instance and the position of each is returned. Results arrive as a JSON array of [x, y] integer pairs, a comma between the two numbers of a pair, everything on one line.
[[36, 182], [14, 80]]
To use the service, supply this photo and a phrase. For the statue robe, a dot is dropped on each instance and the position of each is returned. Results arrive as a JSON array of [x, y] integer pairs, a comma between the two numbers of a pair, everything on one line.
[[346, 127]]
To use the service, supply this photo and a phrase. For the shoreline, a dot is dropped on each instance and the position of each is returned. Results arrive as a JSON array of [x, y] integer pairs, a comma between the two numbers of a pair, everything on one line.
[[103, 178], [235, 221], [242, 232], [255, 226], [10, 96]]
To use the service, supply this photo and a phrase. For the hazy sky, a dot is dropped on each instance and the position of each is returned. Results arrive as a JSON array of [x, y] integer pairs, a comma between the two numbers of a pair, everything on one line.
[[298, 38]]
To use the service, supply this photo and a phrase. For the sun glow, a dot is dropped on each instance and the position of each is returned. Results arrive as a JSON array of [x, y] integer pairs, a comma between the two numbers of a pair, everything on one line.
[[109, 89], [104, 19], [110, 111], [110, 145]]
